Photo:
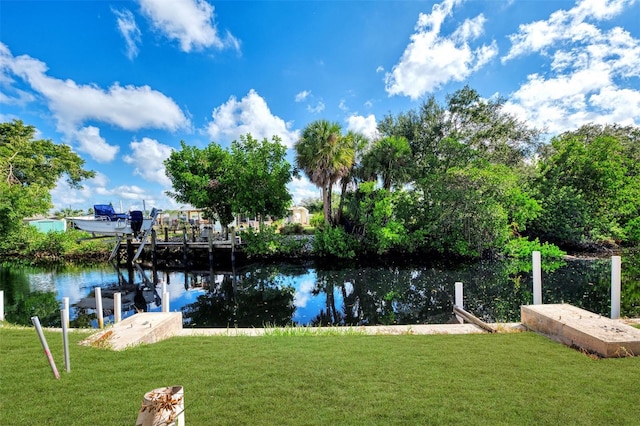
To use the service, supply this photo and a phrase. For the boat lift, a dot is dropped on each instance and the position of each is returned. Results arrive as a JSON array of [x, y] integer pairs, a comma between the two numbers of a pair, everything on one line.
[[143, 239]]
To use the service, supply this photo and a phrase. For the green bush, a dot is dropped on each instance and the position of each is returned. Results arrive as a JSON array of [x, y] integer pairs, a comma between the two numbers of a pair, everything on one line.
[[334, 242], [292, 229], [29, 246], [268, 243], [632, 231], [521, 248]]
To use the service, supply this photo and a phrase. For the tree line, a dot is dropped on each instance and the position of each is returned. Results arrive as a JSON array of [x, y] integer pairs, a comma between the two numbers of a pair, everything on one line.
[[462, 177]]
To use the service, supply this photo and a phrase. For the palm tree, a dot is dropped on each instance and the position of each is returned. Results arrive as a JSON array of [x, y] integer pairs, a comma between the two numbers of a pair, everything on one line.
[[359, 143], [323, 156], [389, 158]]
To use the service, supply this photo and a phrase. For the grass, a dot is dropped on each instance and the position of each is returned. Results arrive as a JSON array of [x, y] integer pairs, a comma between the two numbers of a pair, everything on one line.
[[290, 379]]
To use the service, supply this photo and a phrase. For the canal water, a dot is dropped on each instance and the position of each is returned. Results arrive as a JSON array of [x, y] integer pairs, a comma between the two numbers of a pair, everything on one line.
[[281, 294]]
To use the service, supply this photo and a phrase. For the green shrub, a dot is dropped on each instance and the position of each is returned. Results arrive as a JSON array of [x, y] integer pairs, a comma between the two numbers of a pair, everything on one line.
[[632, 231], [292, 229], [317, 219], [521, 248], [334, 242]]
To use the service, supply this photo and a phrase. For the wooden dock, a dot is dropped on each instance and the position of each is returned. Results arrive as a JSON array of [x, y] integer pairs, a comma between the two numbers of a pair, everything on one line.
[[582, 329], [184, 254]]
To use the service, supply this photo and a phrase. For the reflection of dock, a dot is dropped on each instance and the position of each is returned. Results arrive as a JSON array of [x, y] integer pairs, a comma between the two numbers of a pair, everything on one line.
[[583, 329]]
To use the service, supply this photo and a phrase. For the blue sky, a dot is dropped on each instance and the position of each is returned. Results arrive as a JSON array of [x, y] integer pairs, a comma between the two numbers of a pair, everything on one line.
[[123, 82]]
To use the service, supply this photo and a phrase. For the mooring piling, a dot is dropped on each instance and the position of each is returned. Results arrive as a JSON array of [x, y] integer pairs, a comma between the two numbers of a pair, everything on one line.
[[616, 277], [98, 294], [537, 278]]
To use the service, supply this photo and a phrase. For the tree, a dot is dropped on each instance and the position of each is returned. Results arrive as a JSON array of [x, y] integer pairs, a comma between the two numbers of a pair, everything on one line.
[[324, 158], [359, 143], [589, 185], [202, 178], [29, 170], [389, 159], [260, 174], [250, 178], [477, 127]]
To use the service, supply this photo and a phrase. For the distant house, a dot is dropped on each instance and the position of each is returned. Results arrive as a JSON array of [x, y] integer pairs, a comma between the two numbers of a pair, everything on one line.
[[298, 214], [49, 225]]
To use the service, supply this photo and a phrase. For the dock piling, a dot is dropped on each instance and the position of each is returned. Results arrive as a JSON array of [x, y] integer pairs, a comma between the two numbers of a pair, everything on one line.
[[616, 272], [537, 278]]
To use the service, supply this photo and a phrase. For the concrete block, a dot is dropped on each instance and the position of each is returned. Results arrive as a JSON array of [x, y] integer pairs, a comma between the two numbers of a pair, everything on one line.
[[582, 329], [141, 328]]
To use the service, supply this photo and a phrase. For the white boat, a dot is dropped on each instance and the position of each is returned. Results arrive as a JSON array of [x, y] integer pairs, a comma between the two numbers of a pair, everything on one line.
[[109, 223]]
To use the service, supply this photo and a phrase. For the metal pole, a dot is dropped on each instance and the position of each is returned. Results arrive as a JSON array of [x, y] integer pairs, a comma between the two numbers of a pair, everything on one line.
[[45, 346], [616, 273], [537, 279], [98, 293], [65, 338], [65, 306]]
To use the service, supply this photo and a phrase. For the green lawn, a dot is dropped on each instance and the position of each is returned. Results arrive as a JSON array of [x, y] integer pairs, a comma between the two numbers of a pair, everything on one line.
[[506, 379]]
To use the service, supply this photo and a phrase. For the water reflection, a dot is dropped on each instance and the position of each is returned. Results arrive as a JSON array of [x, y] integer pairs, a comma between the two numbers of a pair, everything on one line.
[[314, 294]]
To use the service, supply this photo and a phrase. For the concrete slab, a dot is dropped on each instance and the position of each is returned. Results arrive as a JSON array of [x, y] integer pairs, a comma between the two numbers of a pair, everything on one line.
[[144, 327], [580, 328], [417, 329]]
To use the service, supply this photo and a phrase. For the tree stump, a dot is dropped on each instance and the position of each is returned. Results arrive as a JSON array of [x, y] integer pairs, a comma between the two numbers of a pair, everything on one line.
[[162, 407]]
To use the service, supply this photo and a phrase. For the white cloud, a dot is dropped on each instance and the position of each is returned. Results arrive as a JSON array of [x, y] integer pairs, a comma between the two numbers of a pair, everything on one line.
[[301, 188], [127, 107], [129, 30], [191, 22], [90, 142], [563, 25], [148, 157], [251, 114], [316, 109], [302, 95], [588, 70], [98, 191], [431, 60], [364, 125]]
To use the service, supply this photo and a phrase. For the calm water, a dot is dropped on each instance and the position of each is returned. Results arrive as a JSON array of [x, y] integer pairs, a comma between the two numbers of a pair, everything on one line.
[[313, 294]]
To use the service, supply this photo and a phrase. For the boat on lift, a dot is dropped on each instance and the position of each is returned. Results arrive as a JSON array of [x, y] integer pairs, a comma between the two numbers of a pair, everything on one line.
[[106, 222]]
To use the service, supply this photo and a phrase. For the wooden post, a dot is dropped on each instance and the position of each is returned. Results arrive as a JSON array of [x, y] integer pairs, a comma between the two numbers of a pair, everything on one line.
[[233, 245], [98, 293], [154, 257], [473, 319], [537, 278], [129, 252], [166, 234], [210, 241], [185, 250], [616, 277]]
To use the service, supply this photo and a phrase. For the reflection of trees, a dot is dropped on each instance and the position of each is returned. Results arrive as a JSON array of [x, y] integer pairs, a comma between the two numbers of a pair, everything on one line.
[[630, 292], [259, 297], [22, 304]]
